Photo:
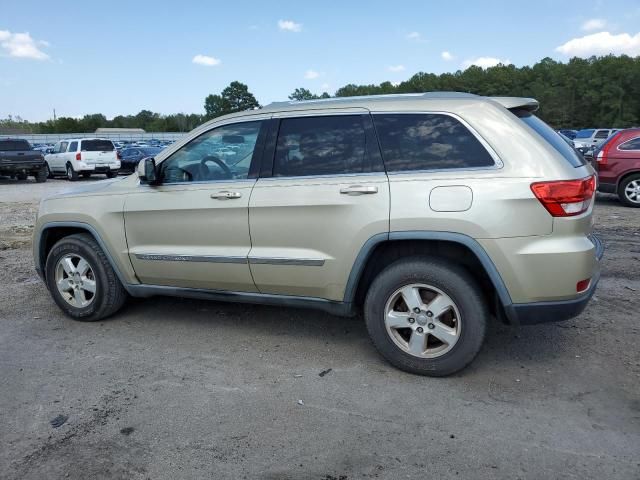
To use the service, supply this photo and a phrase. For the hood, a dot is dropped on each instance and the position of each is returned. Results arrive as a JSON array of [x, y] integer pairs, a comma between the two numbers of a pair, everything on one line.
[[89, 189]]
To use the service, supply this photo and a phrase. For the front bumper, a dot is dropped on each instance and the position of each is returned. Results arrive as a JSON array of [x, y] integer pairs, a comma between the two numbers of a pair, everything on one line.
[[543, 312]]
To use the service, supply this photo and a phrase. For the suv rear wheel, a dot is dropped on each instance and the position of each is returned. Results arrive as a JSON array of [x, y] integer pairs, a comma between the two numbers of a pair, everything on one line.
[[81, 280], [629, 190], [426, 316], [72, 175]]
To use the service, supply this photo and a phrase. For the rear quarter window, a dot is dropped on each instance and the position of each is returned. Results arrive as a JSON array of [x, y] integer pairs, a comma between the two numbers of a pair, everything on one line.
[[633, 144], [428, 141], [551, 137], [96, 146]]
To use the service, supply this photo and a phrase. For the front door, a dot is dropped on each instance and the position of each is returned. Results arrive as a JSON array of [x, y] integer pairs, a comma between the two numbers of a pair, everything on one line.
[[324, 196], [192, 230]]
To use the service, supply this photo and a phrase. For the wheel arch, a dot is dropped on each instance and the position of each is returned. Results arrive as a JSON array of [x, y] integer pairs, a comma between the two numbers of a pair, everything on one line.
[[52, 232], [624, 176], [383, 249]]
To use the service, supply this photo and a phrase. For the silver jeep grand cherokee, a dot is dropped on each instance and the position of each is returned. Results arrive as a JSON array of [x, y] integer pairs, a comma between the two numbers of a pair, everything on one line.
[[428, 212]]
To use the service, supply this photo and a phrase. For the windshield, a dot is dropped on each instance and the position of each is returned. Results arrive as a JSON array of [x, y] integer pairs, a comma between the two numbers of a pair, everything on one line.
[[586, 133], [552, 137], [96, 146], [14, 145]]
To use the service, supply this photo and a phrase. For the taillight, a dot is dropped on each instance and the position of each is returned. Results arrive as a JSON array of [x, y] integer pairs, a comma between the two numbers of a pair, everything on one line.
[[582, 285], [565, 198], [78, 156], [603, 155]]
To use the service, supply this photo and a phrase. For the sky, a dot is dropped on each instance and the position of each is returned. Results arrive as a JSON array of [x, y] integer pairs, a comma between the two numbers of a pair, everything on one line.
[[119, 57]]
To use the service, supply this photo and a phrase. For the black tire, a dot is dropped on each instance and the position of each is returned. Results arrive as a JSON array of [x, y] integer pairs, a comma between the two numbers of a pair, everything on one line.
[[49, 172], [622, 187], [109, 295], [111, 174], [21, 176], [452, 280], [72, 175], [86, 175], [42, 175]]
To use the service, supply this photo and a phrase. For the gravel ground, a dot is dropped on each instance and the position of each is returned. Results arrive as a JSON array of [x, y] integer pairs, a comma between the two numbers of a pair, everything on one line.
[[173, 388]]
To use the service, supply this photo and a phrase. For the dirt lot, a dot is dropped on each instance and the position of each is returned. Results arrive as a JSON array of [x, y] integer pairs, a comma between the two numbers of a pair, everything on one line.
[[173, 388]]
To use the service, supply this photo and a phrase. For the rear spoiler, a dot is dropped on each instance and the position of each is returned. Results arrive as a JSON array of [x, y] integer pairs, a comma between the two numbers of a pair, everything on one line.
[[517, 103]]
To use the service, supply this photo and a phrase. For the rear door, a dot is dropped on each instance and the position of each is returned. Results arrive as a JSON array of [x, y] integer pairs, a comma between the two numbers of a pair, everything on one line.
[[321, 195]]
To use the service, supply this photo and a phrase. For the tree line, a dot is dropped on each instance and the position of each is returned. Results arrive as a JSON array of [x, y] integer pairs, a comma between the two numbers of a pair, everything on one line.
[[582, 93]]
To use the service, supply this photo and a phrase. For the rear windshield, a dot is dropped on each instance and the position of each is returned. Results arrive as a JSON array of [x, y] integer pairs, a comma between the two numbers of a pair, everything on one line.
[[545, 131], [14, 145], [97, 146], [586, 133]]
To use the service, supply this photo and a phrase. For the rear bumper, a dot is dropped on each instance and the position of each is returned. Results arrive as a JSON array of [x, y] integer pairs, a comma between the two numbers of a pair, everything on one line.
[[543, 312], [21, 167]]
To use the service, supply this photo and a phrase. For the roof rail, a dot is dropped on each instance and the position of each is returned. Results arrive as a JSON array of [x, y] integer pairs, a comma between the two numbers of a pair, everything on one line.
[[397, 96]]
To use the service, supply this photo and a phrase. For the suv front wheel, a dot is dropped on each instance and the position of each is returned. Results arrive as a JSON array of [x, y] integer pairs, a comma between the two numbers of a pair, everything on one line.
[[426, 316], [81, 280]]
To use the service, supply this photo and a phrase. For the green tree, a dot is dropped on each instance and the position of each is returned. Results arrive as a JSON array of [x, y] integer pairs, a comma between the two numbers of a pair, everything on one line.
[[234, 98]]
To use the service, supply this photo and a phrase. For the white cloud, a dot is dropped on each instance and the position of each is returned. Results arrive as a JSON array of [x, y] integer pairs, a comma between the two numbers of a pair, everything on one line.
[[485, 62], [593, 24], [311, 74], [602, 43], [447, 56], [206, 60], [289, 26], [416, 36], [396, 68], [21, 45]]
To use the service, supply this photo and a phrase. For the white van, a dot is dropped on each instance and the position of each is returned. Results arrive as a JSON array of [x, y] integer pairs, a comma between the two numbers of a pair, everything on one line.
[[83, 156]]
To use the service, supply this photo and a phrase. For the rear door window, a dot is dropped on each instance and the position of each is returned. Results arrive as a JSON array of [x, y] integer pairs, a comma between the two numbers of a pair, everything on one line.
[[601, 134], [73, 146], [428, 141], [323, 145], [550, 135], [96, 146]]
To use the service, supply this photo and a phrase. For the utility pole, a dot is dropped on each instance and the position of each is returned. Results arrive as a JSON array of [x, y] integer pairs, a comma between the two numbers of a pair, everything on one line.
[[54, 115]]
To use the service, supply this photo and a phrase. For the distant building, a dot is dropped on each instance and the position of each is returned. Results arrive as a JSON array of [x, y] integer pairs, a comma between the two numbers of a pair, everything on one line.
[[121, 131]]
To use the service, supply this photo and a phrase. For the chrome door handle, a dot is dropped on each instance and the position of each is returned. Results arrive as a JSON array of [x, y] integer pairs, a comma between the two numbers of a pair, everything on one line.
[[225, 195], [359, 190]]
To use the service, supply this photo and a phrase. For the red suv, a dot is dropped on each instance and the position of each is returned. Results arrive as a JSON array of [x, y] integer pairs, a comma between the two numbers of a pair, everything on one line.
[[618, 165]]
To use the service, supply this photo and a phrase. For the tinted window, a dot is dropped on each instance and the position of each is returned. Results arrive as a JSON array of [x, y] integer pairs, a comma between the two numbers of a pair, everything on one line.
[[546, 132], [63, 147], [223, 153], [587, 133], [14, 145], [73, 146], [331, 145], [602, 134], [96, 146], [631, 144], [427, 142]]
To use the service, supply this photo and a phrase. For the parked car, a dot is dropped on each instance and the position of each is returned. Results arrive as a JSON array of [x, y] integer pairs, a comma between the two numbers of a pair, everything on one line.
[[129, 157], [618, 165], [570, 134], [591, 137], [83, 156], [415, 209], [19, 160]]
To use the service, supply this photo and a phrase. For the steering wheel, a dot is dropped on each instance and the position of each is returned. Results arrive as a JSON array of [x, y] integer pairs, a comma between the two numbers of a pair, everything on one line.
[[204, 170]]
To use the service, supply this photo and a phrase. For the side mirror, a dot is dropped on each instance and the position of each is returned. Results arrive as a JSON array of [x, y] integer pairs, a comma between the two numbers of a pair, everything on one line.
[[147, 170], [49, 150]]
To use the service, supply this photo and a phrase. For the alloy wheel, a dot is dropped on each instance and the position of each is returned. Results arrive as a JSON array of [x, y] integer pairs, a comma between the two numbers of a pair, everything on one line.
[[75, 280], [422, 320]]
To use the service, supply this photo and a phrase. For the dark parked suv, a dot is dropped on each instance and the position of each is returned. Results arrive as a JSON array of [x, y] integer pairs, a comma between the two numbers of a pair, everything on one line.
[[618, 164]]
